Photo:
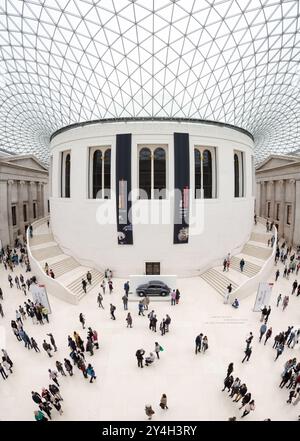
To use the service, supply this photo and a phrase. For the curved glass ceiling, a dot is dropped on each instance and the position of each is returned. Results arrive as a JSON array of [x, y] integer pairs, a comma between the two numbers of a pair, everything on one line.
[[66, 61]]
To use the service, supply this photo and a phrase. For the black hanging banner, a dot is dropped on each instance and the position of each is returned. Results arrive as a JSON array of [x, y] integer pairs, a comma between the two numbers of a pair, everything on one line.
[[123, 188], [182, 187]]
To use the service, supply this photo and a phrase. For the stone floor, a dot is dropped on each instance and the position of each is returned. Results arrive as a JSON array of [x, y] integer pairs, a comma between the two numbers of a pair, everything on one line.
[[192, 382]]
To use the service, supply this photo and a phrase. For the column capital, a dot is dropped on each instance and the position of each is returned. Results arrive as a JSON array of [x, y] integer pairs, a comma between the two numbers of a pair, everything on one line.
[[281, 181], [22, 182], [271, 182], [292, 181], [31, 183], [10, 181]]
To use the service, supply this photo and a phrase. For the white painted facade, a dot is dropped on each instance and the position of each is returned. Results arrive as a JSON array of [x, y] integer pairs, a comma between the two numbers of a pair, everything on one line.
[[225, 221]]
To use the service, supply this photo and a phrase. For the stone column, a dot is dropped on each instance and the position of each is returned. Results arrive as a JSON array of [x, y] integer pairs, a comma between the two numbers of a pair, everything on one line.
[[20, 206], [30, 201], [4, 227], [282, 186], [9, 213], [293, 201], [272, 200], [262, 199], [296, 238], [40, 200]]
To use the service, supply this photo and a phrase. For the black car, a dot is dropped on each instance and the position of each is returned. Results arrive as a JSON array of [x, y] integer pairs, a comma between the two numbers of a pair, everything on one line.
[[153, 288]]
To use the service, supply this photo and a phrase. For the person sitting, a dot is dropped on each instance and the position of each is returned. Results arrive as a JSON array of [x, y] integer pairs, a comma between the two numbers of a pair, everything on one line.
[[150, 359], [236, 303]]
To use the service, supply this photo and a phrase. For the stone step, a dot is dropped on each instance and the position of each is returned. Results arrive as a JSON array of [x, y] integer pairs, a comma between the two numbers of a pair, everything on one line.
[[64, 266], [260, 237], [41, 238], [256, 251], [76, 287], [250, 269], [45, 253], [218, 281]]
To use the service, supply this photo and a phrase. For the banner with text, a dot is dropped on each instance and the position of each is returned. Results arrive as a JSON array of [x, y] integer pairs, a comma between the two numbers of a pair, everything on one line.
[[263, 295]]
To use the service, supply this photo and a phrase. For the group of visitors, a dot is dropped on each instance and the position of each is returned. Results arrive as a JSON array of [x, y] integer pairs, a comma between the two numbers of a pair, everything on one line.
[[163, 404], [150, 358]]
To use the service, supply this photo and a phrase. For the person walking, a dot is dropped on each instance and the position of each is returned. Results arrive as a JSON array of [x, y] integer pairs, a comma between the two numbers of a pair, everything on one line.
[[34, 345], [84, 284], [157, 349], [229, 369], [235, 387], [125, 302], [60, 368], [68, 367], [126, 288], [263, 330], [47, 348], [204, 344], [53, 376], [268, 335], [52, 341], [82, 320], [241, 393], [163, 402], [249, 340], [228, 381], [246, 399], [112, 311], [99, 300], [36, 397], [249, 408], [280, 349], [267, 314], [277, 274], [248, 353], [91, 372], [110, 286], [279, 299], [103, 286], [38, 414], [242, 264], [2, 372], [1, 310], [146, 302], [177, 296], [294, 286], [285, 302], [129, 320], [162, 327]]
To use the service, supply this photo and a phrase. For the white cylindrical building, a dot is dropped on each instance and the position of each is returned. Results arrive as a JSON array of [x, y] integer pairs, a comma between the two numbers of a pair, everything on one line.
[[94, 165]]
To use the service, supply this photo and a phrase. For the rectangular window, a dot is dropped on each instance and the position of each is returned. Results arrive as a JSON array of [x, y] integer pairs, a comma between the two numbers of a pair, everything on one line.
[[289, 214], [34, 210], [268, 208], [25, 212], [153, 268], [277, 211], [14, 215], [239, 174]]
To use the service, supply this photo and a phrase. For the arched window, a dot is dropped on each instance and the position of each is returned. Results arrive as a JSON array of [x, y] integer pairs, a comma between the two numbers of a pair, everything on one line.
[[145, 173], [207, 174], [100, 173], [67, 175], [197, 156], [159, 173], [236, 176], [107, 166], [97, 174], [205, 180]]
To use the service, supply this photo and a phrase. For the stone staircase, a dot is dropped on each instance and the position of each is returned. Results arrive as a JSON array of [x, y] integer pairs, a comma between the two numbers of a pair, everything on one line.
[[68, 271], [218, 281], [250, 269], [76, 286], [257, 251]]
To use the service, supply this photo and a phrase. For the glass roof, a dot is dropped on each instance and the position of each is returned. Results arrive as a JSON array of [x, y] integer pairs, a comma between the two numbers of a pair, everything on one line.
[[68, 61]]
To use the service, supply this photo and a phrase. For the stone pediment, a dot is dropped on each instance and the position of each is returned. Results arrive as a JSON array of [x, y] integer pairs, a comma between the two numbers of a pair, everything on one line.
[[275, 161], [28, 161]]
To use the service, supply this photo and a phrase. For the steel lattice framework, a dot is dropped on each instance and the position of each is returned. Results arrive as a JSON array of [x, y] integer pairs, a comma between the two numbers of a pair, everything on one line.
[[67, 61]]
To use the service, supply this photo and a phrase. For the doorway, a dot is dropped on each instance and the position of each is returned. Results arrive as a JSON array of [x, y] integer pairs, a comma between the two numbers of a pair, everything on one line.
[[152, 268]]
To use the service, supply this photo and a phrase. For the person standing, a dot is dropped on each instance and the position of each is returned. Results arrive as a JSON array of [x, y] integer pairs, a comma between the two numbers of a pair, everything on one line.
[[141, 307], [89, 277], [268, 335], [246, 399], [277, 274], [82, 320], [47, 348], [198, 343], [38, 414], [268, 314], [146, 302], [60, 368], [103, 286], [149, 411], [1, 310], [125, 302], [52, 341], [162, 327], [229, 369], [84, 284], [177, 296], [229, 288], [204, 344], [99, 300], [110, 286], [112, 311], [163, 402], [228, 382], [35, 345], [126, 288], [263, 330], [68, 367], [2, 372], [249, 340], [140, 357], [129, 320], [173, 297]]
